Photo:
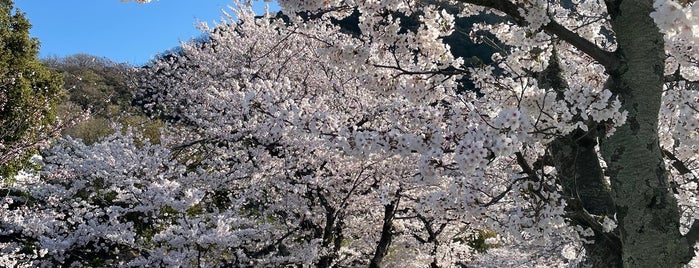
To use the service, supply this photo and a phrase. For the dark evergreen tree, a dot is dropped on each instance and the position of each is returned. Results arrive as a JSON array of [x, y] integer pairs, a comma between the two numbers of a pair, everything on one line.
[[29, 92]]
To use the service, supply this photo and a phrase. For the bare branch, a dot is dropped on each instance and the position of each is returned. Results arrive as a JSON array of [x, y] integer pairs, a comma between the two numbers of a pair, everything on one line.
[[504, 193]]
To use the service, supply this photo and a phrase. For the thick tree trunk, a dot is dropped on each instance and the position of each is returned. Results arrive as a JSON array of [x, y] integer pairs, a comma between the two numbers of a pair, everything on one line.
[[586, 192], [582, 179], [646, 208], [580, 172]]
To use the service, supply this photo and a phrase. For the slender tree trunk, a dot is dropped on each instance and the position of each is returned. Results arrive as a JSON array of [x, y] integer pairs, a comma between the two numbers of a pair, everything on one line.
[[332, 232], [646, 208], [386, 234]]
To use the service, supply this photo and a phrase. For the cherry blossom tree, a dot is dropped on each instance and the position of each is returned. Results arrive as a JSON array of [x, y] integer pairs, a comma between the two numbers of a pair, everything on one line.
[[573, 77], [293, 141], [341, 158], [288, 176]]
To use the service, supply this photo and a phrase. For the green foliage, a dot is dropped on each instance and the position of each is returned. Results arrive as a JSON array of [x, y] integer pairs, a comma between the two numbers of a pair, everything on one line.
[[93, 82], [90, 130], [103, 88], [148, 128], [477, 241], [29, 92]]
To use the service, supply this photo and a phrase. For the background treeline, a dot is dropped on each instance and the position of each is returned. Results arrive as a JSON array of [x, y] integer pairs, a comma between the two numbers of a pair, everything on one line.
[[102, 90]]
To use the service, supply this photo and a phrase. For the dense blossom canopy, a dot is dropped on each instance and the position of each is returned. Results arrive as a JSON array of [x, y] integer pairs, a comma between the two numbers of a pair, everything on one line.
[[293, 141]]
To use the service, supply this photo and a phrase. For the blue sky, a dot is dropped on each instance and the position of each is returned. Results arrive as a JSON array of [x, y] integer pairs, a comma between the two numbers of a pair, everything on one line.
[[123, 32]]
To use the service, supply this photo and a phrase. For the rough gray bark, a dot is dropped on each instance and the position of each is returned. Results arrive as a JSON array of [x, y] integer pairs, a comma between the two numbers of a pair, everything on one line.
[[582, 178], [587, 193], [646, 208]]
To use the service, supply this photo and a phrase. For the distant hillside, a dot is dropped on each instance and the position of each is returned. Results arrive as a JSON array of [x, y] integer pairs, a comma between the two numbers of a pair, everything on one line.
[[102, 88]]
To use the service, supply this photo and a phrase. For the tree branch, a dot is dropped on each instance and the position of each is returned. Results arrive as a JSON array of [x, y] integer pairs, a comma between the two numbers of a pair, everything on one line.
[[504, 193], [693, 234], [606, 58], [526, 168], [676, 162]]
